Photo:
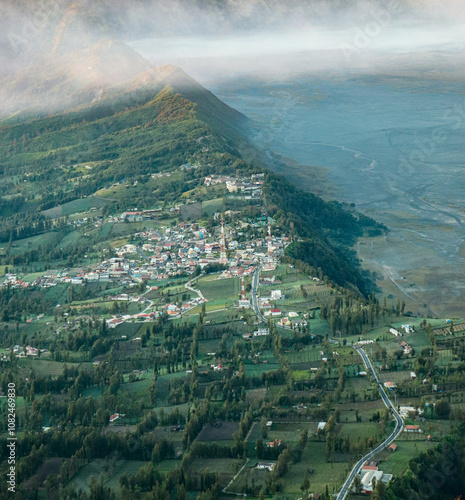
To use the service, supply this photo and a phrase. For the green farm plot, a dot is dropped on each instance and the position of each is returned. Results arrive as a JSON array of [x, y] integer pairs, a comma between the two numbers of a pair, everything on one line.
[[324, 473], [80, 205], [187, 319], [365, 410], [285, 273], [255, 396], [352, 368], [110, 471], [138, 388], [215, 465], [248, 477], [229, 317], [300, 375], [37, 330], [56, 293], [257, 370], [445, 356], [45, 367], [163, 386], [222, 292], [306, 355], [130, 329], [359, 430], [396, 462], [206, 346], [29, 278], [210, 207], [106, 230], [92, 392], [289, 433], [218, 431], [397, 377], [167, 433], [357, 385], [143, 375], [28, 244], [123, 228], [167, 465], [418, 340], [19, 402], [319, 326], [255, 433], [71, 239]]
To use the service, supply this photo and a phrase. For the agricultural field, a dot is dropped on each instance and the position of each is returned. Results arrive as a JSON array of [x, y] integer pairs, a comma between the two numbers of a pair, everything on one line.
[[109, 471], [397, 462], [76, 206], [210, 207], [323, 474], [218, 431], [220, 293]]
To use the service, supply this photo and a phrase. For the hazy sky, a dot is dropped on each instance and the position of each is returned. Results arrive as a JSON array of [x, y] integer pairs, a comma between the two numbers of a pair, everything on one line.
[[364, 45]]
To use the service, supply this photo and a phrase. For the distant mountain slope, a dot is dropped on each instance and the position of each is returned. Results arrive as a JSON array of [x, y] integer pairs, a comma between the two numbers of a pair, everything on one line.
[[70, 80], [155, 121], [148, 123]]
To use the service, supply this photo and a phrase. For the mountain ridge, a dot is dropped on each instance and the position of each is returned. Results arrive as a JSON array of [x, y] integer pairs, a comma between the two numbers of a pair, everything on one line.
[[151, 123]]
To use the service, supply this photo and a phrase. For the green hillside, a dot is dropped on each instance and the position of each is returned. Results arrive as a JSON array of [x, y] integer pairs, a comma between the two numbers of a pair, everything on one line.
[[151, 123]]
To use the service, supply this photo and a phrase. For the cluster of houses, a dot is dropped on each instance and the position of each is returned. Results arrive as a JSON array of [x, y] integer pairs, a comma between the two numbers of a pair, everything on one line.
[[176, 310], [115, 269], [119, 319], [408, 411], [269, 281], [97, 221], [406, 347], [406, 329], [173, 251], [28, 351], [261, 332], [247, 187], [246, 269], [173, 310], [53, 277], [369, 475], [14, 281]]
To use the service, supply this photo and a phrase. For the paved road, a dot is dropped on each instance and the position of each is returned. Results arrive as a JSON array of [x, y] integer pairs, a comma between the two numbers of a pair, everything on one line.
[[255, 278], [142, 253], [189, 287], [398, 429], [254, 294]]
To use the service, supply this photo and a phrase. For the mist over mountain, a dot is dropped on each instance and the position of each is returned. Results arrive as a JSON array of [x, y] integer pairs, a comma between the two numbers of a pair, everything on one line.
[[70, 80], [51, 50], [33, 30]]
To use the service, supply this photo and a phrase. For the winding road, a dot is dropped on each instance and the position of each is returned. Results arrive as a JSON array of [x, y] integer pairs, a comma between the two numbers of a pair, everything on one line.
[[254, 289], [398, 429], [188, 286], [254, 295], [368, 365]]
